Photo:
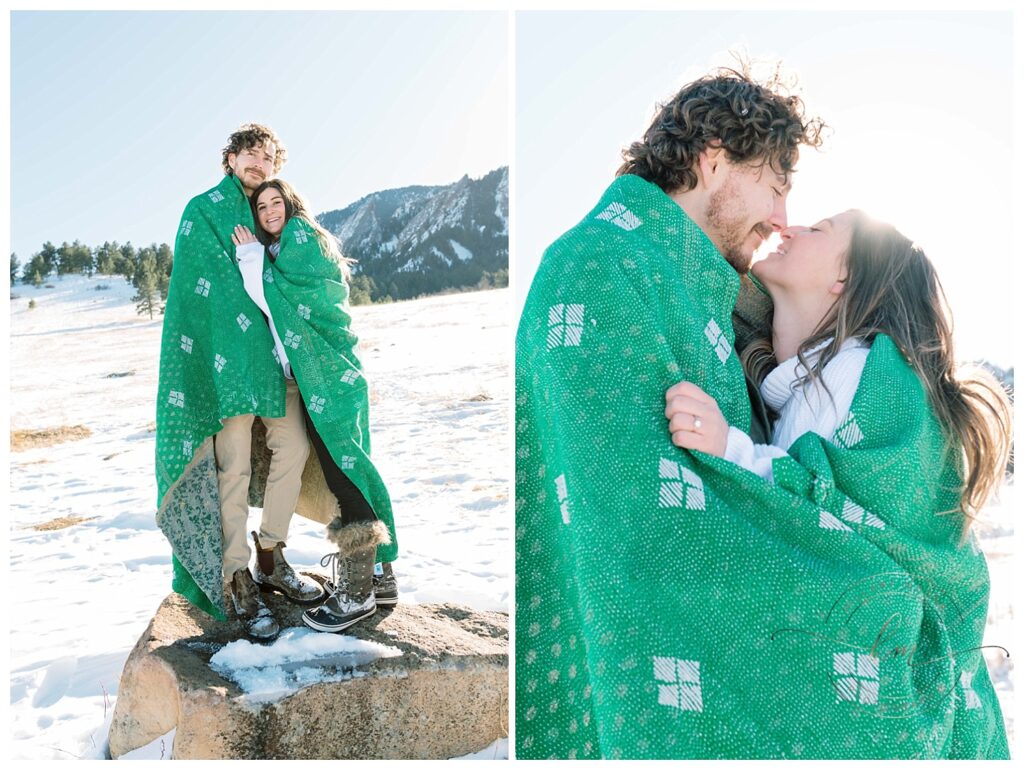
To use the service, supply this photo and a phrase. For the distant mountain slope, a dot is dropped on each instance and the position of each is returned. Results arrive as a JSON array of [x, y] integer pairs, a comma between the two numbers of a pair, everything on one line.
[[423, 240]]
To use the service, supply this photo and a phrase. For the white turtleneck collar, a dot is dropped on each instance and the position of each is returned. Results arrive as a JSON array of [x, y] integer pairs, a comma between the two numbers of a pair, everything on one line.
[[781, 383]]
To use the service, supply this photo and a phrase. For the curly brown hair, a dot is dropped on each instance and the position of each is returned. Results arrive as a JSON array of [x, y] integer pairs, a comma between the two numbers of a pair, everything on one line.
[[253, 135], [756, 123]]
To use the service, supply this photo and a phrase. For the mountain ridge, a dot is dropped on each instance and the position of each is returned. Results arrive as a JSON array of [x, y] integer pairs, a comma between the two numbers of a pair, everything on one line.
[[426, 239]]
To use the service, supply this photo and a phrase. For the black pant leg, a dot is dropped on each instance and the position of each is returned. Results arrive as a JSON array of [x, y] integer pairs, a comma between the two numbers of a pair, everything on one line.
[[351, 501]]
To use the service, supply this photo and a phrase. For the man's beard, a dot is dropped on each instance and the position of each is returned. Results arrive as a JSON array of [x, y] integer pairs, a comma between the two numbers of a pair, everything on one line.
[[729, 226], [248, 175]]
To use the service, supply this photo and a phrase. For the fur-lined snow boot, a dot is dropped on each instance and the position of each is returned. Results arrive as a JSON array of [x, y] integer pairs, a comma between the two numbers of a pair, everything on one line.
[[351, 597]]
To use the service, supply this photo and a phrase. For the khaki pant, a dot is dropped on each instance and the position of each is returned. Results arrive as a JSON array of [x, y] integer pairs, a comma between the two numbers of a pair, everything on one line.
[[286, 439]]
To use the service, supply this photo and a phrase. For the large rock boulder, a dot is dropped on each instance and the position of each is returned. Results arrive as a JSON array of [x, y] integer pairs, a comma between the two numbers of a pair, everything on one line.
[[442, 693]]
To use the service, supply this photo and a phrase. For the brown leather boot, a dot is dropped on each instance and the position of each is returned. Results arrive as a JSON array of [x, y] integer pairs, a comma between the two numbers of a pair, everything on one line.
[[255, 617], [273, 573]]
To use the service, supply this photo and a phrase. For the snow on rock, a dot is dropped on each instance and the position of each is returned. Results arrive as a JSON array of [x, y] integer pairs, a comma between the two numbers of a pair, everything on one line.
[[267, 672], [159, 748], [461, 251], [497, 750], [501, 202]]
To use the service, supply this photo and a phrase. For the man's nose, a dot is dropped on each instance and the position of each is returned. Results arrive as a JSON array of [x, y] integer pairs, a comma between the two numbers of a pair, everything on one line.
[[778, 217]]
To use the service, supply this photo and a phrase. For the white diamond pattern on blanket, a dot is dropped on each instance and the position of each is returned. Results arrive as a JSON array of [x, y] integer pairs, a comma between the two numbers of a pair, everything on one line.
[[275, 354], [203, 287], [300, 236], [563, 499], [619, 215], [678, 683], [243, 321], [565, 325], [292, 340], [718, 340], [186, 343], [849, 433], [216, 196], [680, 487], [350, 376], [856, 677], [186, 228], [186, 448], [268, 276], [177, 398], [347, 463], [971, 699], [854, 513], [218, 362], [303, 311], [316, 404], [827, 521]]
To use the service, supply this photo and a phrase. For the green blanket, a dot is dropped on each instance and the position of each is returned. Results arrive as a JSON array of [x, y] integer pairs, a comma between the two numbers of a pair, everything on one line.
[[215, 362], [673, 605], [307, 296]]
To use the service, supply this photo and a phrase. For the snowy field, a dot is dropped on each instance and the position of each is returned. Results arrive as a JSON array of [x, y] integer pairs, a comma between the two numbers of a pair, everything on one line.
[[83, 593]]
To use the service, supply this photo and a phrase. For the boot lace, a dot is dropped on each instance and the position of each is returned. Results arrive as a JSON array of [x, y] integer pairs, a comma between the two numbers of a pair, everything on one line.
[[340, 569]]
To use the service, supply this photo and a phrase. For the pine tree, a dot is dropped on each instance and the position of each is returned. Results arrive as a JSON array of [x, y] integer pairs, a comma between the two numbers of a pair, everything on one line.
[[107, 257], [49, 259], [147, 300], [164, 262], [126, 264], [15, 265], [361, 290]]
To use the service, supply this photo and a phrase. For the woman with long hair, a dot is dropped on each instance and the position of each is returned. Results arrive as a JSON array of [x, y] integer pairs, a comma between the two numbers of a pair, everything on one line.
[[845, 290], [293, 269]]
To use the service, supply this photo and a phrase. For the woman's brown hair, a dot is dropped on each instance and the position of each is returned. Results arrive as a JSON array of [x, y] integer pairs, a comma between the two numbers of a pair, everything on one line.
[[295, 205], [892, 288]]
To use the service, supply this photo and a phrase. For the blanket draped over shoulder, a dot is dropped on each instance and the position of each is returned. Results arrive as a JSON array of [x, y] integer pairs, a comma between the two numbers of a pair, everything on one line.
[[307, 296], [673, 605], [216, 361]]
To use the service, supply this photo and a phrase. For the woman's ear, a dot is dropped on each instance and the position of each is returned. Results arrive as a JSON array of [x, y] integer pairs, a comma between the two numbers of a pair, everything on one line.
[[838, 287]]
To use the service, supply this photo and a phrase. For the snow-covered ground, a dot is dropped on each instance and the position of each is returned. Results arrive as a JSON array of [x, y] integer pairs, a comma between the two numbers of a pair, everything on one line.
[[80, 596], [995, 533]]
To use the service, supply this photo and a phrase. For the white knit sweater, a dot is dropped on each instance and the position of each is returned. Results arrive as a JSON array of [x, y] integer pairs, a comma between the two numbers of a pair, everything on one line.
[[801, 409], [250, 261]]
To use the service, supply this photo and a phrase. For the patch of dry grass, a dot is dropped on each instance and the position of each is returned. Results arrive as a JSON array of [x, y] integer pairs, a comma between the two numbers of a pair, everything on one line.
[[34, 439], [62, 522]]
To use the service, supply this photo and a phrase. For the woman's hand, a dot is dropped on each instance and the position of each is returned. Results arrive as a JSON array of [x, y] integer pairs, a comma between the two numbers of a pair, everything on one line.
[[242, 234], [694, 419]]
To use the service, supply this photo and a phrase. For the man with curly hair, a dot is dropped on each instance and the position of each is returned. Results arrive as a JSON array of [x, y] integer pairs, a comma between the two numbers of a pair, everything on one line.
[[218, 372], [635, 298]]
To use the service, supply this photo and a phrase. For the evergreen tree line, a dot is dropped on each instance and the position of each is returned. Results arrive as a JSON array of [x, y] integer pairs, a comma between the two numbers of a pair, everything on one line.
[[364, 290], [148, 268]]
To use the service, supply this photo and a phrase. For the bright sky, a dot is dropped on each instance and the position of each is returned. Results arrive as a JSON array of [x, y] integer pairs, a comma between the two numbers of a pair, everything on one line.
[[920, 104], [117, 119]]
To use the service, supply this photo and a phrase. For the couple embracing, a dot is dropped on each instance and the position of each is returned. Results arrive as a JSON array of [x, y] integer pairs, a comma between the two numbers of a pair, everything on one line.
[[257, 325], [744, 495]]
